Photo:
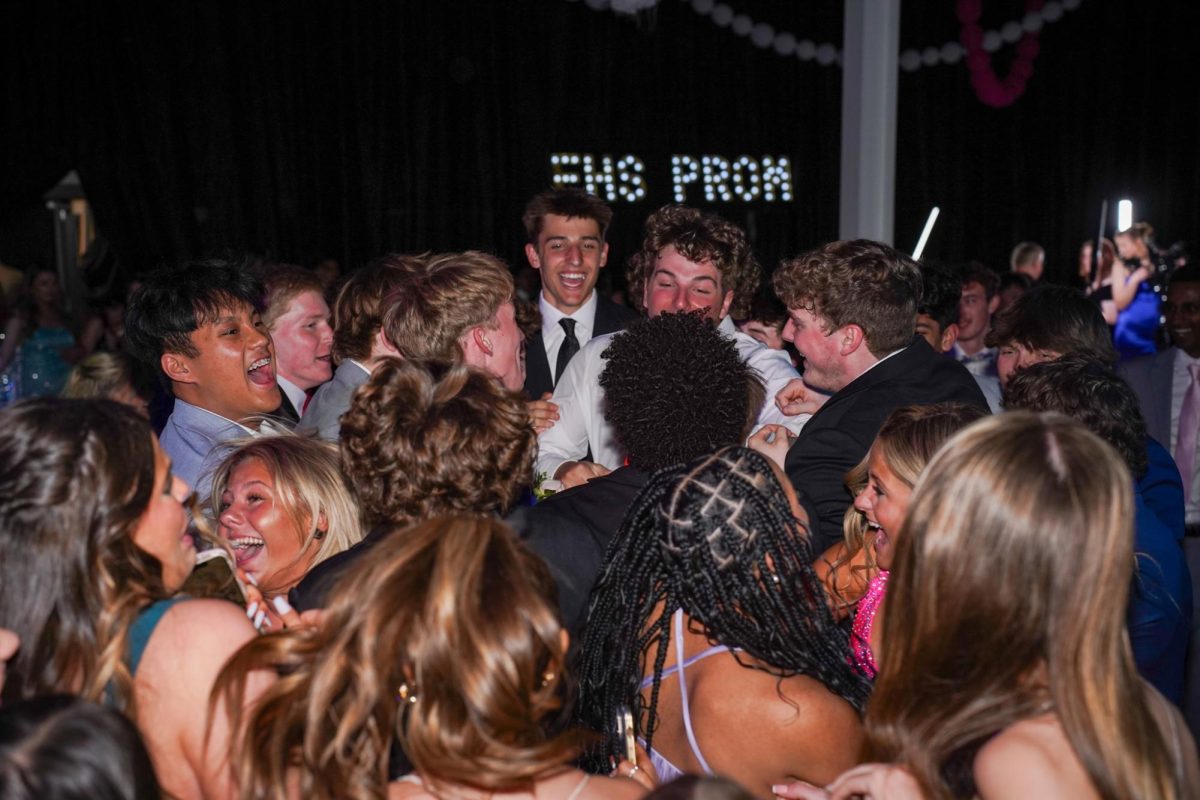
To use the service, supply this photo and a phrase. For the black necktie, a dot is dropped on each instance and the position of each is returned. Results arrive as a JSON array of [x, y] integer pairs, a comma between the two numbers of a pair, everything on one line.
[[568, 348]]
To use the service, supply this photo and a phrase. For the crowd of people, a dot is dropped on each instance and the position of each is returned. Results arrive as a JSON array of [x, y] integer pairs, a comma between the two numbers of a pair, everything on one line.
[[867, 528]]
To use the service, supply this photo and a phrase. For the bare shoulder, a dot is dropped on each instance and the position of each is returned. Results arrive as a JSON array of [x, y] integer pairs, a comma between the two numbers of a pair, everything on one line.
[[1031, 758], [198, 636], [209, 620], [762, 731]]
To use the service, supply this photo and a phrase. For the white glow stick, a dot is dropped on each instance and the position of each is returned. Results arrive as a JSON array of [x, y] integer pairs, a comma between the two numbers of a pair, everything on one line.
[[933, 215]]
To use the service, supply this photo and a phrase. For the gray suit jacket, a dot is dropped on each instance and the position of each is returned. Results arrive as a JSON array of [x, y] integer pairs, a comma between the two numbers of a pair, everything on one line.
[[332, 400], [1151, 376]]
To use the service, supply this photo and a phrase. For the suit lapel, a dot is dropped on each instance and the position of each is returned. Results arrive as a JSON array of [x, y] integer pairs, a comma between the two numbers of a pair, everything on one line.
[[1163, 383], [538, 378], [286, 410], [610, 317]]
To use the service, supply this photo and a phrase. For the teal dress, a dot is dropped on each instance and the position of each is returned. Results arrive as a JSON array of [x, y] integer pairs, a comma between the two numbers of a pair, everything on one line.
[[143, 628], [43, 369], [139, 636]]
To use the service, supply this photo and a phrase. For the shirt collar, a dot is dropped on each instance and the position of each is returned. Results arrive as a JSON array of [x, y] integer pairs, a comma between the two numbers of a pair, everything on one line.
[[190, 410], [583, 315], [294, 393]]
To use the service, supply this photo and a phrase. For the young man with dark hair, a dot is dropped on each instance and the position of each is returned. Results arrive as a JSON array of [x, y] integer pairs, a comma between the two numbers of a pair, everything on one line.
[[358, 341], [1160, 602], [689, 261], [937, 313], [565, 230], [979, 300], [938, 321], [765, 319], [852, 312], [1167, 385], [200, 326], [1046, 323], [675, 389]]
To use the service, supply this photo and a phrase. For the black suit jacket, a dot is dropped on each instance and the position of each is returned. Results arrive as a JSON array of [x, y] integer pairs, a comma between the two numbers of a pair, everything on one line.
[[571, 532], [286, 411], [539, 373], [839, 435]]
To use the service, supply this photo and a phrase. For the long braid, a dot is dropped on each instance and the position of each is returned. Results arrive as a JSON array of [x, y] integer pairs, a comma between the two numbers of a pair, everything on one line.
[[619, 630], [716, 538], [743, 566]]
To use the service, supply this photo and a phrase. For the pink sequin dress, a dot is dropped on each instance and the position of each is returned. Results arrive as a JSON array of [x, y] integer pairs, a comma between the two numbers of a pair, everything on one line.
[[864, 618]]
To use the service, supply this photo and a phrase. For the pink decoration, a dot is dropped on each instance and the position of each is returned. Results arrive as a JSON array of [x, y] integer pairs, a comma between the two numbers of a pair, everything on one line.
[[991, 90]]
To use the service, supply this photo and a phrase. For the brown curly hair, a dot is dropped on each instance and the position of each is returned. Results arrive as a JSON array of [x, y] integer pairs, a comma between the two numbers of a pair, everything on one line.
[[856, 282], [425, 439], [432, 308], [698, 236], [463, 615]]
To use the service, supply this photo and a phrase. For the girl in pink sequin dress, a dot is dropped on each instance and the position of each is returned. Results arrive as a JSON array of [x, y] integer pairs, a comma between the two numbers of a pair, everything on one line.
[[882, 484]]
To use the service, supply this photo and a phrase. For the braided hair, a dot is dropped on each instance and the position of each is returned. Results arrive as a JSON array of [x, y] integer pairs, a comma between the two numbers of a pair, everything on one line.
[[717, 538]]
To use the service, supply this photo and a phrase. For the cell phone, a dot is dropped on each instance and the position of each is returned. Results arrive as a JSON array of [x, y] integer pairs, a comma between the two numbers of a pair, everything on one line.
[[215, 576], [626, 734]]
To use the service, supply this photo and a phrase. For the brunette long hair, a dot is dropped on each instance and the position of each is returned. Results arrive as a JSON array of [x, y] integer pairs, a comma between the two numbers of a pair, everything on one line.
[[75, 478], [1008, 598], [457, 612]]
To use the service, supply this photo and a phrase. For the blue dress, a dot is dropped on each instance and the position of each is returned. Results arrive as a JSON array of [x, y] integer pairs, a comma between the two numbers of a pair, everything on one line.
[[1136, 333], [43, 369]]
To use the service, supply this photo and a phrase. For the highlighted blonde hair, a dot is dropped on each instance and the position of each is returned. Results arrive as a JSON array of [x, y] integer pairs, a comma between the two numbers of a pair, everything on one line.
[[458, 611], [308, 485], [986, 595]]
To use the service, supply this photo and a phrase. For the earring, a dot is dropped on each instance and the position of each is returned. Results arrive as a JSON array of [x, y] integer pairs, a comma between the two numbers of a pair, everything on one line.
[[405, 695], [547, 677], [319, 535]]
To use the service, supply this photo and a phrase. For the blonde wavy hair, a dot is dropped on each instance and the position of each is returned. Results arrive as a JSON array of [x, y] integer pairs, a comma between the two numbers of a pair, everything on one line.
[[308, 485], [906, 442], [431, 308], [986, 596], [457, 612]]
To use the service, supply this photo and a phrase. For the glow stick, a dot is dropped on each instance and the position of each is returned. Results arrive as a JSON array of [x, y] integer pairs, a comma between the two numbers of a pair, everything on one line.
[[933, 215]]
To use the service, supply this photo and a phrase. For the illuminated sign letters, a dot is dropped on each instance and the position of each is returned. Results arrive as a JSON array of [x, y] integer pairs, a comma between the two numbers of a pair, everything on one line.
[[708, 178]]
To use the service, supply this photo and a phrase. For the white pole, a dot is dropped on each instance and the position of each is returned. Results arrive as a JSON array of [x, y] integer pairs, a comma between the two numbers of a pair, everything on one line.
[[933, 215], [871, 36]]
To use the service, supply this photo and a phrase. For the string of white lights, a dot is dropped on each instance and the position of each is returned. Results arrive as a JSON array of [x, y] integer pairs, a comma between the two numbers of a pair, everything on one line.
[[788, 45]]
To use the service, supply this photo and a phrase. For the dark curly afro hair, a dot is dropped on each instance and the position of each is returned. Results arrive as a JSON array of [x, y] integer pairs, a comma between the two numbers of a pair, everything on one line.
[[676, 389]]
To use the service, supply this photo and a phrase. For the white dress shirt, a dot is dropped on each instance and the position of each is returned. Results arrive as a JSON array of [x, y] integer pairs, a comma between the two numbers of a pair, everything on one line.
[[295, 395], [1181, 378], [580, 401], [982, 363], [553, 333]]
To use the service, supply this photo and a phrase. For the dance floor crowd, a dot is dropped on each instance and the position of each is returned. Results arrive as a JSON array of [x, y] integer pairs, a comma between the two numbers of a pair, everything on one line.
[[854, 526]]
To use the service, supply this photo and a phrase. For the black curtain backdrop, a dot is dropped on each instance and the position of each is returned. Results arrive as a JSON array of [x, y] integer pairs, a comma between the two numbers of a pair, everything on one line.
[[304, 129]]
